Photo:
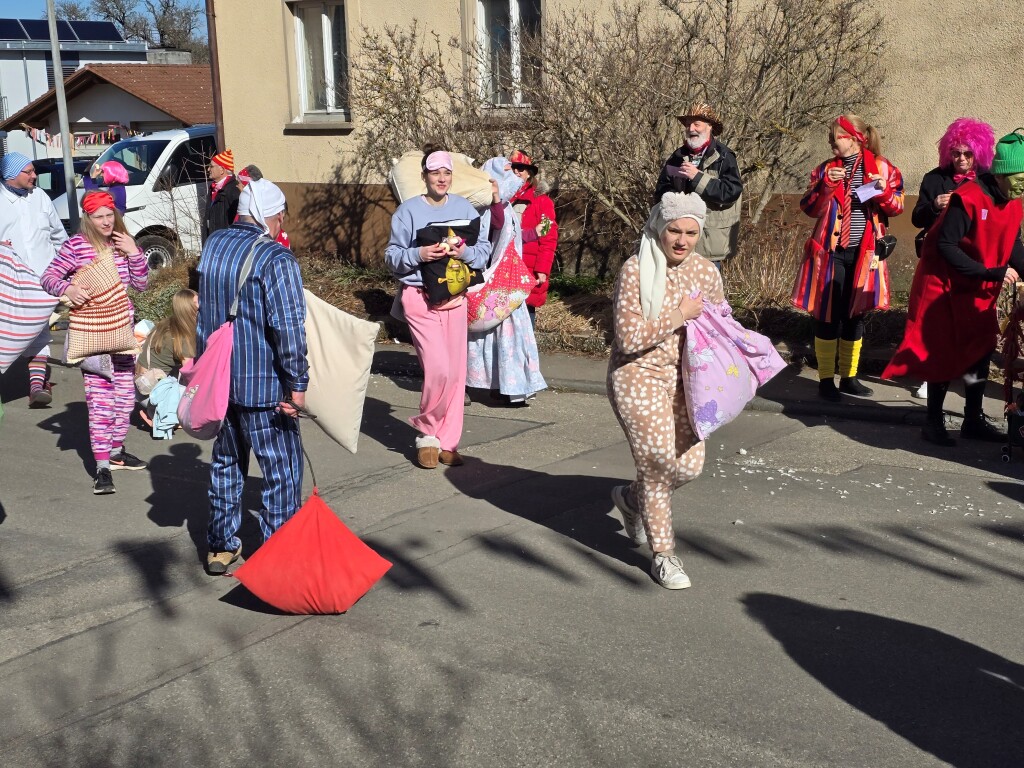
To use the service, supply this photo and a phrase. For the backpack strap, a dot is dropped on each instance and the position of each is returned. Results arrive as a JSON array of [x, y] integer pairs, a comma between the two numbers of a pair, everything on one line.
[[246, 270]]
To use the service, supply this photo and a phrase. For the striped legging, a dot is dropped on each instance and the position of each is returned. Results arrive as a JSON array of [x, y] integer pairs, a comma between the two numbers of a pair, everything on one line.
[[110, 406]]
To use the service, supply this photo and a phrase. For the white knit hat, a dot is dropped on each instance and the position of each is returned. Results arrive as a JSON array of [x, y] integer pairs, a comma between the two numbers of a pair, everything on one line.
[[682, 205]]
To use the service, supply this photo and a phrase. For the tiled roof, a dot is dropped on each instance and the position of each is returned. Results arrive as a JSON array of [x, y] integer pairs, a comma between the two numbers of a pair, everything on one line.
[[183, 91]]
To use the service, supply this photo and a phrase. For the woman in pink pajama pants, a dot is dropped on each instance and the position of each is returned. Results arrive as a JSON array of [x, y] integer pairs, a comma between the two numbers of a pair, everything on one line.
[[439, 332], [657, 293], [110, 403]]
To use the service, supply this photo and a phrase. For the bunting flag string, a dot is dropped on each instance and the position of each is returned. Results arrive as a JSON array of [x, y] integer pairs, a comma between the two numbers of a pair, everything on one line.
[[113, 132]]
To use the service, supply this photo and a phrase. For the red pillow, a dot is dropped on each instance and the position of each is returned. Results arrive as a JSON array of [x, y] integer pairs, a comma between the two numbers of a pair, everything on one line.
[[312, 564]]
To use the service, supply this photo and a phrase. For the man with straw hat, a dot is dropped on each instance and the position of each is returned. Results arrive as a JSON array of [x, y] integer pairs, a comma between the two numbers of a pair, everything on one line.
[[705, 166]]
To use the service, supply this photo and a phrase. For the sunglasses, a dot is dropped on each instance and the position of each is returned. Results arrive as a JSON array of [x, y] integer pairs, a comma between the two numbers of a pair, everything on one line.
[[519, 167], [961, 153]]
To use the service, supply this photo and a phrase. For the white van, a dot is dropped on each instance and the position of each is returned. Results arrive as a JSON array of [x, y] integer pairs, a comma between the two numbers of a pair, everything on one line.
[[167, 189]]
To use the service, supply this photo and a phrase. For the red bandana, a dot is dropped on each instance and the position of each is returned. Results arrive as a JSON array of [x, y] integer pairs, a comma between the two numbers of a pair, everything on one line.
[[96, 200], [847, 126]]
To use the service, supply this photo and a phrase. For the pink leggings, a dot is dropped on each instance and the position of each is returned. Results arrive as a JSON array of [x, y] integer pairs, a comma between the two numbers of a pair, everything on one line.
[[110, 406], [440, 338]]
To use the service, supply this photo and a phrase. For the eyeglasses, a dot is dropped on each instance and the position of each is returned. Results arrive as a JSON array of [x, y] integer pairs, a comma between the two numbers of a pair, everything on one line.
[[965, 153]]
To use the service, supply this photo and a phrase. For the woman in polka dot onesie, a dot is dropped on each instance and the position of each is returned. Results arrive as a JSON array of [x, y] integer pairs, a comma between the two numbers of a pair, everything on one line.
[[659, 290]]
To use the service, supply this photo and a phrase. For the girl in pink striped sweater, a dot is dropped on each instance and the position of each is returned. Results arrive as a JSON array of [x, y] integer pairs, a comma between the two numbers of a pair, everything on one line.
[[110, 402]]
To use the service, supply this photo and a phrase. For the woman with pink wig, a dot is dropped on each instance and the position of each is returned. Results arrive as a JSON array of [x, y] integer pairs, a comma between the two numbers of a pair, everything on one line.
[[111, 177], [965, 150]]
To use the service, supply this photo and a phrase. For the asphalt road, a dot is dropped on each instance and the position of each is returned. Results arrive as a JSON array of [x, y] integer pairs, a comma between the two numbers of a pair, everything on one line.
[[856, 603]]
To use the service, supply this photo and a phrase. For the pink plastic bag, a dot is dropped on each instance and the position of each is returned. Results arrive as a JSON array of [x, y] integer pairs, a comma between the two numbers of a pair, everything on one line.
[[725, 364], [207, 382]]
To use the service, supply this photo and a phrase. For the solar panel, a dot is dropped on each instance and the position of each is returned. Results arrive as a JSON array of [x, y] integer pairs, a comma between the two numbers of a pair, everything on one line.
[[10, 29], [97, 31], [38, 29]]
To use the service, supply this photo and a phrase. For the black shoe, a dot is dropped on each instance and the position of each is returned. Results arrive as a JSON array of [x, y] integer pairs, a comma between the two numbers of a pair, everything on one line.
[[827, 391], [125, 460], [104, 483], [936, 434], [850, 386], [980, 428]]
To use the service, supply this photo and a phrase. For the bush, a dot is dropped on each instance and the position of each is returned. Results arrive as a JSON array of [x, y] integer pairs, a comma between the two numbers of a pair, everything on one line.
[[154, 303]]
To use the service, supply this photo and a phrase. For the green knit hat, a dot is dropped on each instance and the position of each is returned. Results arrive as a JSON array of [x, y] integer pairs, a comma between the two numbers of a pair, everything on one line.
[[1009, 154]]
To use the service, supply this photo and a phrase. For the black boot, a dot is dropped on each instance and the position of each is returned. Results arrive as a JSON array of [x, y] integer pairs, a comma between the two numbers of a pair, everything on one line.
[[935, 433], [979, 427], [827, 391], [850, 386]]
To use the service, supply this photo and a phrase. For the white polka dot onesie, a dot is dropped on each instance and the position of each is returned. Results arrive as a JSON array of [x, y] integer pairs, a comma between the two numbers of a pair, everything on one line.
[[645, 387]]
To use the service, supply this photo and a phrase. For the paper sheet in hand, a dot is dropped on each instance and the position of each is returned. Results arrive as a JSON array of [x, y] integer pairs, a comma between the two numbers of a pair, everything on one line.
[[866, 191], [339, 351]]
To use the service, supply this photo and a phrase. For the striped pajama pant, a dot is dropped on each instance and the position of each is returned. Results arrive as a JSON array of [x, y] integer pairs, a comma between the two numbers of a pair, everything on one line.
[[110, 406], [275, 441]]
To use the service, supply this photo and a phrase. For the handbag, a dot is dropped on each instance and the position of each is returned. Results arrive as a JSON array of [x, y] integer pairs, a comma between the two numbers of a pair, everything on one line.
[[724, 365], [207, 378], [99, 365], [884, 244], [506, 286], [145, 381], [919, 242], [104, 323]]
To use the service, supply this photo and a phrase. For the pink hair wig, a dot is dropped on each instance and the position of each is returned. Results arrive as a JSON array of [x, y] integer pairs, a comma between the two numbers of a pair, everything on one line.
[[114, 173], [979, 137]]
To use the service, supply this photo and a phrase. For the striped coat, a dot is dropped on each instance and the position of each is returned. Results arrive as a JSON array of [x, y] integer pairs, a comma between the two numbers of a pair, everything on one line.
[[269, 355], [824, 201]]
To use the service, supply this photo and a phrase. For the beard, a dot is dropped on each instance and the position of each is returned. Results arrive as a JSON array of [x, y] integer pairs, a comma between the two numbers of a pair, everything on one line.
[[697, 141]]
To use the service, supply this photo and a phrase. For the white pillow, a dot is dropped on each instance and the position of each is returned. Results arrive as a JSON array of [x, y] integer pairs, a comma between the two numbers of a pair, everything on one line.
[[406, 179]]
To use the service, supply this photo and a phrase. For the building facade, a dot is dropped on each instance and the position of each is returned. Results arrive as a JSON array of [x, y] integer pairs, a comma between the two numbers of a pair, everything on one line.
[[295, 54]]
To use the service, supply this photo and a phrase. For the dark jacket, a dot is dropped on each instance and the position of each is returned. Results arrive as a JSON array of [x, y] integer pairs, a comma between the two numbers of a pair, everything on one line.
[[719, 185], [938, 181], [222, 210]]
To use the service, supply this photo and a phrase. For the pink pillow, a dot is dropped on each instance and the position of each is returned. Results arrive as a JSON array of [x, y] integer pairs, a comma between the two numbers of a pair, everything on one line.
[[725, 364]]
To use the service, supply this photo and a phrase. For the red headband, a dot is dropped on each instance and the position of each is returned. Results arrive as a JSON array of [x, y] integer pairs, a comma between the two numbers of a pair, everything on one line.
[[847, 126], [96, 200]]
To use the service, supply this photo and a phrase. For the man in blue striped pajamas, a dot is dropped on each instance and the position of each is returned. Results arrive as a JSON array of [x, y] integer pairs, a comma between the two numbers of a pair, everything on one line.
[[269, 372]]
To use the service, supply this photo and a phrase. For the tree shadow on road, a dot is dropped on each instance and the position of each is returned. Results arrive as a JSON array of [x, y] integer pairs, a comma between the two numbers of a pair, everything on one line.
[[575, 506], [181, 481], [72, 429], [946, 696]]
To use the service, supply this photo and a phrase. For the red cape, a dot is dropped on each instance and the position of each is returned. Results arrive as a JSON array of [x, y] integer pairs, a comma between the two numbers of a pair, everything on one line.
[[951, 319]]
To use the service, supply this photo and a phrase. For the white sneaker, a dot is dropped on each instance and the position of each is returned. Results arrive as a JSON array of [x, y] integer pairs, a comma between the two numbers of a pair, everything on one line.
[[630, 517], [668, 571], [921, 393]]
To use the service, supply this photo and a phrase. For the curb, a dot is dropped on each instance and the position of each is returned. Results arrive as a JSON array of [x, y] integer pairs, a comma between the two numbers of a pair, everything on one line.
[[899, 415]]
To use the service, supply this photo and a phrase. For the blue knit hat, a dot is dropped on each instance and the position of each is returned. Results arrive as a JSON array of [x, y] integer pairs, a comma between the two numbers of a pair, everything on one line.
[[13, 164]]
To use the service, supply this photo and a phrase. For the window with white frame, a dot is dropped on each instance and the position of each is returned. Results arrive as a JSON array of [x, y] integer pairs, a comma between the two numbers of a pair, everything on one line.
[[503, 26], [322, 53]]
